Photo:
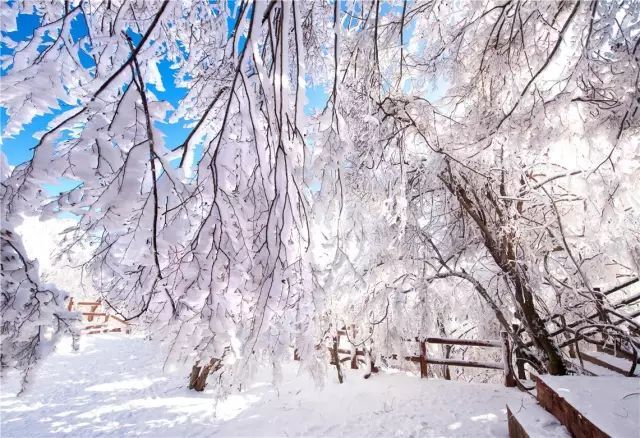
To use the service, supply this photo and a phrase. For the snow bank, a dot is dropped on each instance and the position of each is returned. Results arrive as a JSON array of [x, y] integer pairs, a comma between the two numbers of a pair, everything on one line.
[[536, 421], [610, 403]]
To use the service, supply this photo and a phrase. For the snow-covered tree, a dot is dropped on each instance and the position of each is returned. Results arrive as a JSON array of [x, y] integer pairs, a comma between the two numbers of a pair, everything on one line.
[[34, 313], [506, 177], [484, 148], [205, 241]]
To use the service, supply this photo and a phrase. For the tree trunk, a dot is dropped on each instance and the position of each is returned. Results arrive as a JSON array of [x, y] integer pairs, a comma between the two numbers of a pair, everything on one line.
[[502, 250], [535, 325], [199, 374], [446, 349]]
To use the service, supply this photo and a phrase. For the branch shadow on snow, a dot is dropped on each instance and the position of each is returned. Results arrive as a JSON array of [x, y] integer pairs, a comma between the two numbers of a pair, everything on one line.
[[114, 386]]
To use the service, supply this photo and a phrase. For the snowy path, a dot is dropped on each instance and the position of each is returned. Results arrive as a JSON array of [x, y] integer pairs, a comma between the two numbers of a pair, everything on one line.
[[114, 387]]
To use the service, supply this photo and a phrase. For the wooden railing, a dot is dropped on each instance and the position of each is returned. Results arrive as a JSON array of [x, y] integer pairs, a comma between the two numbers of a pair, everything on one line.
[[603, 320], [559, 320], [89, 319], [425, 360], [356, 355]]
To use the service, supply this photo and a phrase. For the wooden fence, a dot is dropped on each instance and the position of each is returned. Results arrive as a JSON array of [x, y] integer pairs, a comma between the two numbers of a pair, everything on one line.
[[603, 314], [362, 356], [617, 314], [91, 312]]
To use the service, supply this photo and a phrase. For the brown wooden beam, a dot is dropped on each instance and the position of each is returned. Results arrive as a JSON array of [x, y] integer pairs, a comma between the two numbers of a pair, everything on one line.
[[466, 342], [602, 363], [466, 363]]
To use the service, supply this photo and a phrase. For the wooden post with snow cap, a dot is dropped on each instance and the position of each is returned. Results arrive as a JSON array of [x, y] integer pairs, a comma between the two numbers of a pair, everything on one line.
[[424, 365], [509, 378]]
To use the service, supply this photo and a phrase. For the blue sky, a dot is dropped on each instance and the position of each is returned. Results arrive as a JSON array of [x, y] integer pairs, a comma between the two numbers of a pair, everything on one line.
[[18, 148]]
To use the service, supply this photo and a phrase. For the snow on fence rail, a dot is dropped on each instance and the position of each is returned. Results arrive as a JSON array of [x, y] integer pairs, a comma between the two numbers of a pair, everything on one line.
[[96, 311], [602, 318], [607, 317], [424, 360]]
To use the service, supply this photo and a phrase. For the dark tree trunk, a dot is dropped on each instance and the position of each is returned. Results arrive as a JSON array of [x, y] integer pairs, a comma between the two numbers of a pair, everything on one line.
[[536, 328], [502, 250], [446, 349], [199, 374]]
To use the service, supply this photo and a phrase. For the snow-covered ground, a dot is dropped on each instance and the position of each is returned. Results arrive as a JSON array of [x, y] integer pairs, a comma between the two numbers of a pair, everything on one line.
[[114, 386]]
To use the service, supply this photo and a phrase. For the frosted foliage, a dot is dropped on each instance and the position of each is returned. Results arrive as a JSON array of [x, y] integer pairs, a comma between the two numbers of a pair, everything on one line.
[[482, 172], [34, 313], [204, 243], [468, 166]]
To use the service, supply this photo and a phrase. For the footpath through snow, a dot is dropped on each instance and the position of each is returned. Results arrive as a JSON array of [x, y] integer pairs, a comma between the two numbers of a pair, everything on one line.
[[114, 386]]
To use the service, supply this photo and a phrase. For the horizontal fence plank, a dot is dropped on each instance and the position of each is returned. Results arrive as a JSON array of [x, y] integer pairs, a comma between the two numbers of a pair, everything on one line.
[[622, 286], [467, 342], [465, 363], [118, 319], [343, 351], [92, 327], [94, 332], [88, 303], [630, 300], [602, 363], [93, 314]]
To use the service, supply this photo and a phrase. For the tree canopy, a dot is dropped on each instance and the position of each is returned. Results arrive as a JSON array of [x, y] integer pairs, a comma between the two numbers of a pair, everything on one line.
[[469, 166]]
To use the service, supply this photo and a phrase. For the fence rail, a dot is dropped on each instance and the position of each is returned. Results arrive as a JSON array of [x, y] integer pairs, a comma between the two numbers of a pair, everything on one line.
[[603, 321], [423, 359], [90, 318], [466, 342]]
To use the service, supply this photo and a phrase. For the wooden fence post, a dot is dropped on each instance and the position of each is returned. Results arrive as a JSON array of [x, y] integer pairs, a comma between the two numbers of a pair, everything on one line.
[[424, 367], [336, 358], [509, 379], [519, 358], [70, 306], [446, 372], [94, 307], [354, 350]]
